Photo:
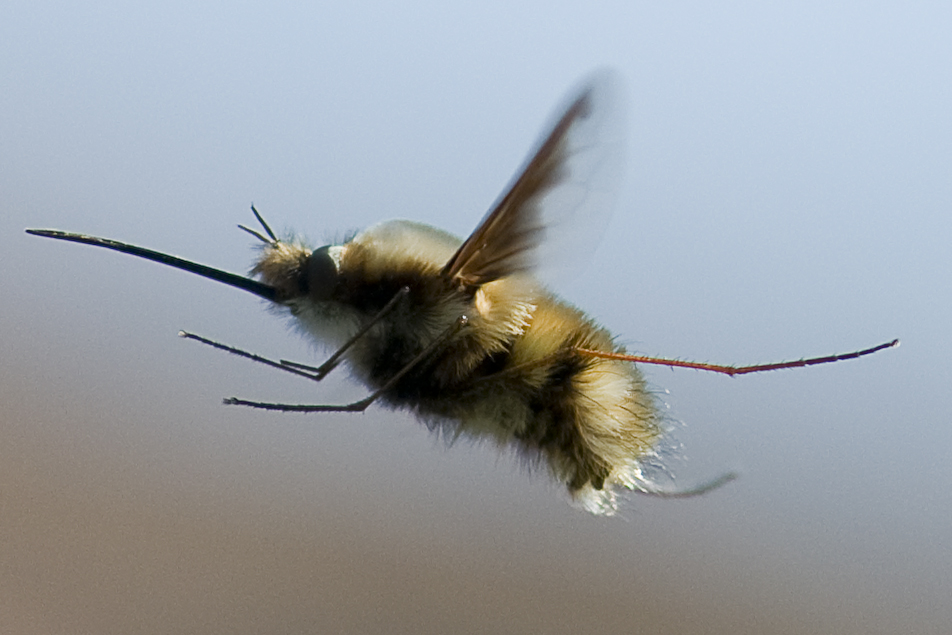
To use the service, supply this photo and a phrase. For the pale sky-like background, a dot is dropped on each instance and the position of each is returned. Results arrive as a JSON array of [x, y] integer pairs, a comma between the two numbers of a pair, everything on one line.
[[787, 193]]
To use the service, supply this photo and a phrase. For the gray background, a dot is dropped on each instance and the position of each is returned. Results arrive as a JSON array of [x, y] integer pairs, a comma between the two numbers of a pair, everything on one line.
[[787, 193]]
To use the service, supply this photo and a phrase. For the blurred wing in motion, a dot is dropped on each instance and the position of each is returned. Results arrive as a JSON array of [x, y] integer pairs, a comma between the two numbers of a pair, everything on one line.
[[573, 174]]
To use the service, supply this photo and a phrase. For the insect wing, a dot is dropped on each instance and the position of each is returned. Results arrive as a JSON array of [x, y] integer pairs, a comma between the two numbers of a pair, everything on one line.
[[555, 209]]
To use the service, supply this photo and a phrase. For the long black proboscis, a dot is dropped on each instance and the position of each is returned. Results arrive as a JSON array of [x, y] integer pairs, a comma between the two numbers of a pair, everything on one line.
[[241, 282]]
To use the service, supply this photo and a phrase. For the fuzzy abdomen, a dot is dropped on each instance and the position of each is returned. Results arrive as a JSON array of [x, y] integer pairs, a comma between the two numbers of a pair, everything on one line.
[[588, 420]]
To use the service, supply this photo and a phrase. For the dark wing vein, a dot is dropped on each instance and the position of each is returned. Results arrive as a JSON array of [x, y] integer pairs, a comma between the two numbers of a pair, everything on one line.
[[503, 242]]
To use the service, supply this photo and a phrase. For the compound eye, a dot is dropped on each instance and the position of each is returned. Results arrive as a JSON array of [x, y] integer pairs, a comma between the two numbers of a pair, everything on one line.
[[321, 274]]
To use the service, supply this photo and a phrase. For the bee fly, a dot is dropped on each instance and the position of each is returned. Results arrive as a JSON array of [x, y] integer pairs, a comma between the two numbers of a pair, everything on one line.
[[462, 334]]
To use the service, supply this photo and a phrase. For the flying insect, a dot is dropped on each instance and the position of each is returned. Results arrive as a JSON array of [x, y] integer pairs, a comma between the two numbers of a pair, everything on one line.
[[461, 332]]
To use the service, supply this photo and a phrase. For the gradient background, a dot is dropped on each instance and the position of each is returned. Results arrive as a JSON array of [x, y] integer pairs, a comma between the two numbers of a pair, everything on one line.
[[787, 193]]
